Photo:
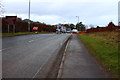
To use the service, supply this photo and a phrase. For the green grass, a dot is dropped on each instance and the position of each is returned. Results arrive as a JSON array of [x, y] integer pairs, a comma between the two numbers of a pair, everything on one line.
[[105, 55], [21, 33], [13, 34]]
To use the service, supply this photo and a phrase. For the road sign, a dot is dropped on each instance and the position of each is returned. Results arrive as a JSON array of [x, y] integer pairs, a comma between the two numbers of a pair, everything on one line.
[[11, 19], [35, 28], [29, 22]]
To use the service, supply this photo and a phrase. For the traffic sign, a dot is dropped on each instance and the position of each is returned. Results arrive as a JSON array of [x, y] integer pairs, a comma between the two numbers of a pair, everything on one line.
[[11, 19], [35, 28], [29, 22]]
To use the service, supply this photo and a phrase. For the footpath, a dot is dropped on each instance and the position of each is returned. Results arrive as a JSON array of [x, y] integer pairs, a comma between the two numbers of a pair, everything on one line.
[[79, 63]]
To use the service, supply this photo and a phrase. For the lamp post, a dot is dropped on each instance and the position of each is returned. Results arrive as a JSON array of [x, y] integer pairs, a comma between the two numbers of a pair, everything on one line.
[[78, 18], [78, 21], [64, 22], [29, 17]]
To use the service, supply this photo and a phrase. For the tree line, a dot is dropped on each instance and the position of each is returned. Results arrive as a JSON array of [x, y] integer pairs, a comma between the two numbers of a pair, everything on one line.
[[110, 27], [22, 26]]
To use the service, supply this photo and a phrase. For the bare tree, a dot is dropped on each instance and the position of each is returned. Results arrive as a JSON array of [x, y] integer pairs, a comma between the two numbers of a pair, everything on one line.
[[1, 8]]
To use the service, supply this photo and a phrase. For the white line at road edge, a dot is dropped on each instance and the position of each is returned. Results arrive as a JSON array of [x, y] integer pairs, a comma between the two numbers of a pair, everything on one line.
[[46, 62], [62, 62], [39, 69]]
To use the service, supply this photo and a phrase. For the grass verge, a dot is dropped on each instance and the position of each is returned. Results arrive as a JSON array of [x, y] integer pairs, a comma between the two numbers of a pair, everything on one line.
[[21, 33], [104, 54], [13, 34]]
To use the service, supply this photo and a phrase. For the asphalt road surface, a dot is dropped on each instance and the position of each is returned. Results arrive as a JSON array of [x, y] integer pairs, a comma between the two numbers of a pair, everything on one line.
[[23, 56]]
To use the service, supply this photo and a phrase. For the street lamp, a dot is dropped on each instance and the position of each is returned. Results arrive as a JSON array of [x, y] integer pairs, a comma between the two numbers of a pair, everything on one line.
[[78, 18], [29, 17], [64, 22]]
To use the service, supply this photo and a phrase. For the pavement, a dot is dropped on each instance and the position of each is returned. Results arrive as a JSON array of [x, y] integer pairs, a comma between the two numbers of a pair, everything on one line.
[[24, 56], [79, 63]]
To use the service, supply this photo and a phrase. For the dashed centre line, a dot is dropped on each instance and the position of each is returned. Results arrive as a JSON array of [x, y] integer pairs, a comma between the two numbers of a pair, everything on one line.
[[4, 49], [30, 41], [12, 47]]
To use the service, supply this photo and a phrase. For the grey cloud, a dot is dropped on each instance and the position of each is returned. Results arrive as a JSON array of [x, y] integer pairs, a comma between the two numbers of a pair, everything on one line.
[[88, 12]]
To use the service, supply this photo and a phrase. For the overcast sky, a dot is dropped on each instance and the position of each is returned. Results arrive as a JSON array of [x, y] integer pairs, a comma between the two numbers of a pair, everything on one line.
[[96, 12]]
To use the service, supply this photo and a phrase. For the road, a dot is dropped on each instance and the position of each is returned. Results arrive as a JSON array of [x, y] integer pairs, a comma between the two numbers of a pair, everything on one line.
[[23, 56]]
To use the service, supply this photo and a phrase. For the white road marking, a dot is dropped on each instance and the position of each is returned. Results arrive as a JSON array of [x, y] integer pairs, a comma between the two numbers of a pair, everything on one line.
[[62, 62], [12, 47], [30, 41], [39, 70], [4, 49]]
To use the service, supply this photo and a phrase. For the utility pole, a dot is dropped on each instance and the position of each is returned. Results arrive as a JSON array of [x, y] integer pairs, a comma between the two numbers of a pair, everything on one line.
[[13, 28], [8, 28], [78, 18], [29, 17]]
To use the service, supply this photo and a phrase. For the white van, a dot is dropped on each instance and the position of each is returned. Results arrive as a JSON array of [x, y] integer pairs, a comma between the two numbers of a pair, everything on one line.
[[74, 31]]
